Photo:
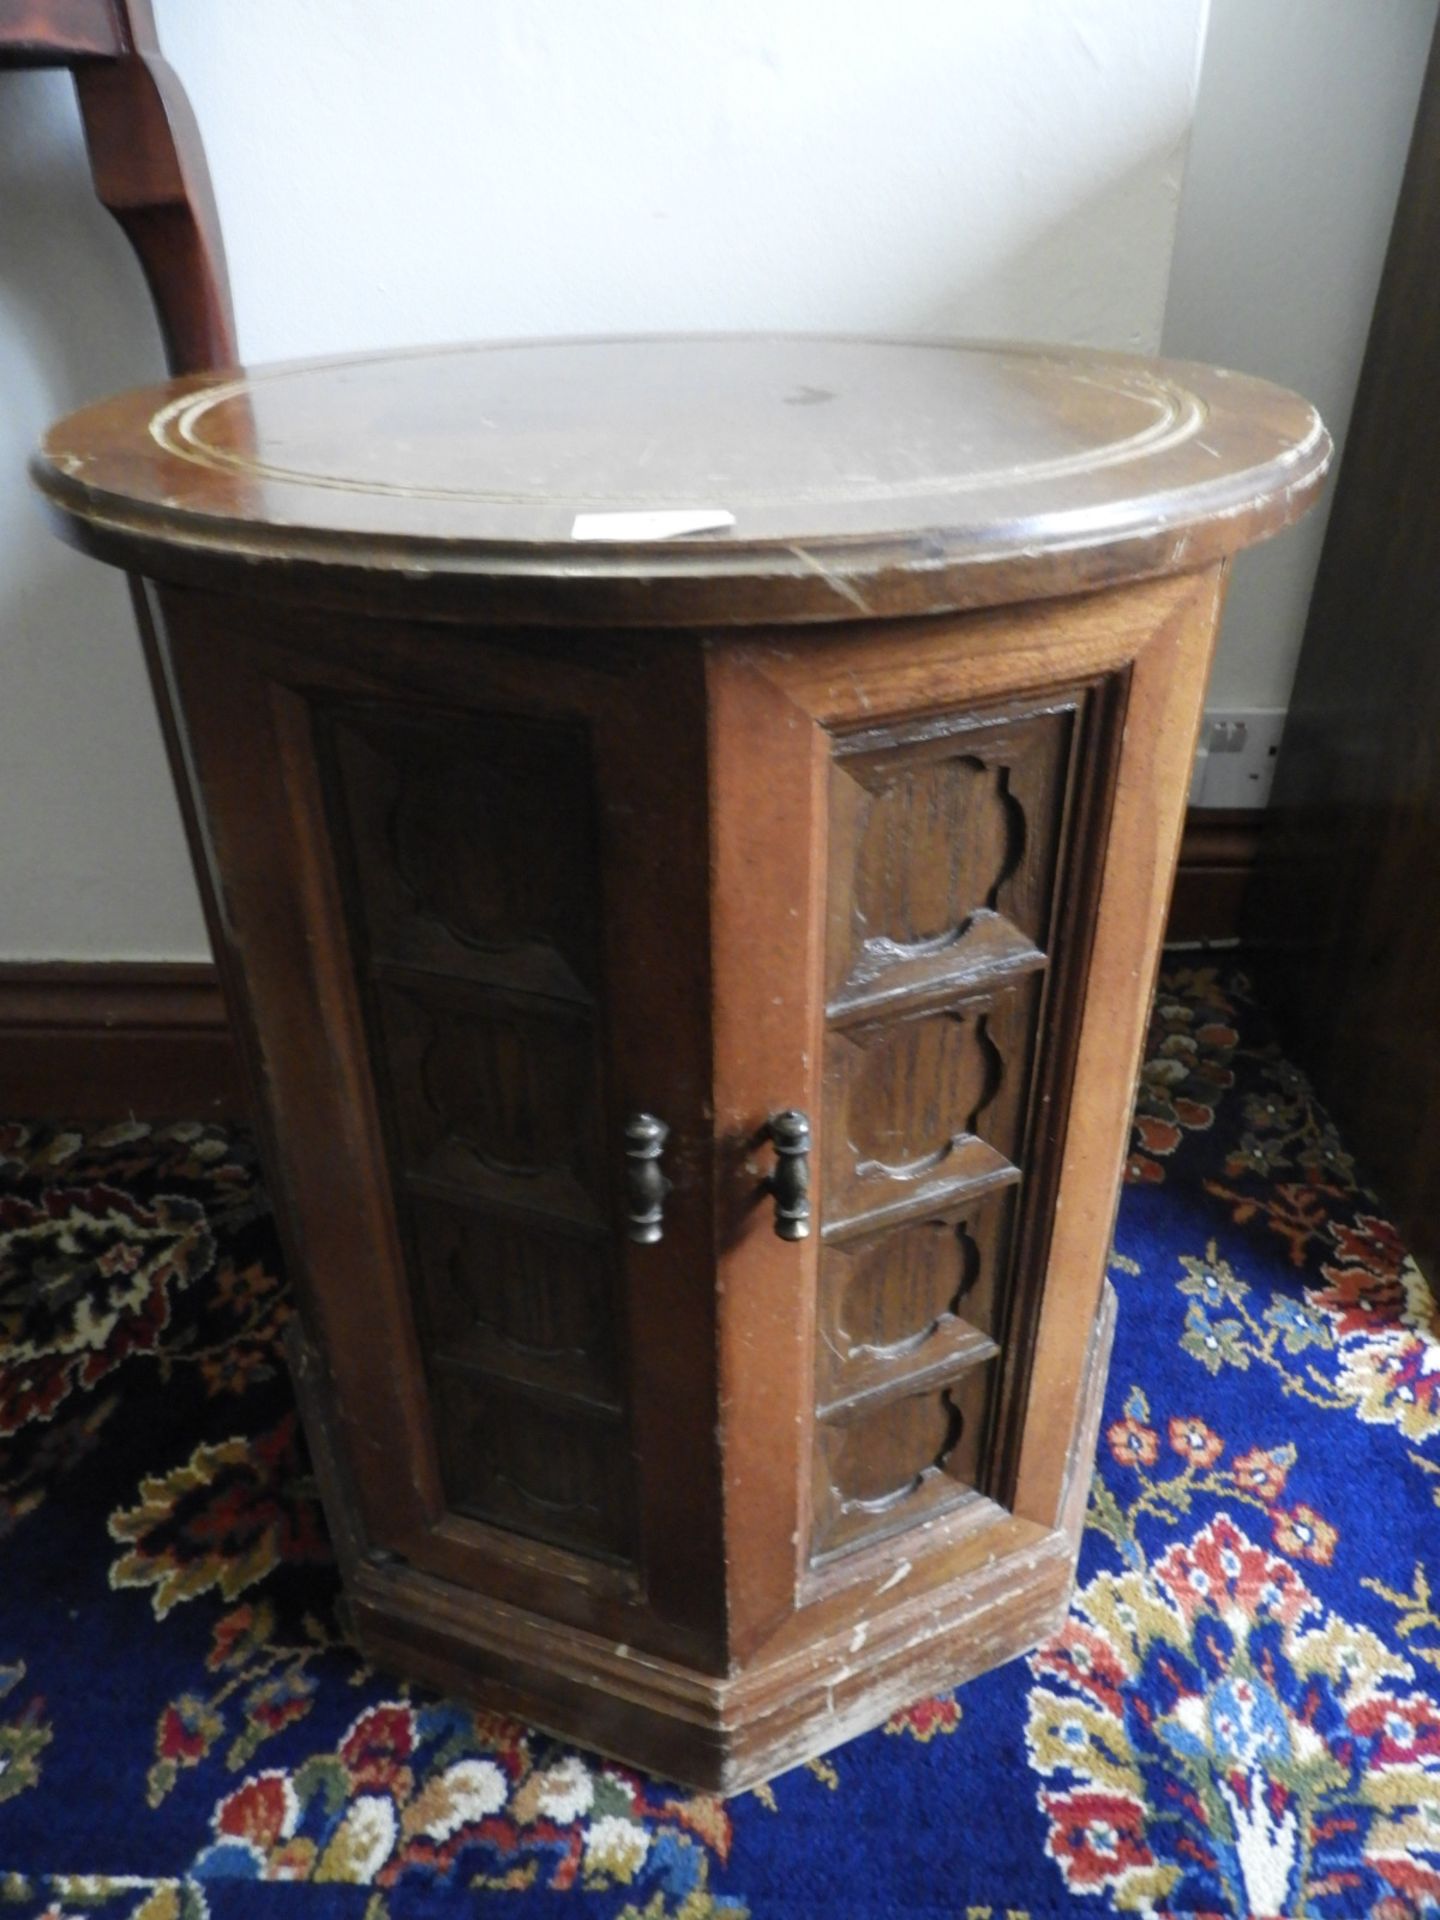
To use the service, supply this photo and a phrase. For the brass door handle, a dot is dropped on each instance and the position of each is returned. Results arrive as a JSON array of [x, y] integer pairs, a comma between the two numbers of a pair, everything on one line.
[[645, 1185], [790, 1182]]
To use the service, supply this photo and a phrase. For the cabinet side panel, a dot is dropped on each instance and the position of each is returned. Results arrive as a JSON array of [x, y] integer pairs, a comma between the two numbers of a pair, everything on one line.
[[959, 907], [948, 839], [1133, 886], [1144, 649]]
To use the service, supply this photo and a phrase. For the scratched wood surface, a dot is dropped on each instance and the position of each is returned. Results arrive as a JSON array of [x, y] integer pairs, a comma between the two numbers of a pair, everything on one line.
[[864, 476]]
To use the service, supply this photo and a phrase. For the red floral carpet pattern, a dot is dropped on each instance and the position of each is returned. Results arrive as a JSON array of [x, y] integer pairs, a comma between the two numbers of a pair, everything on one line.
[[1241, 1715]]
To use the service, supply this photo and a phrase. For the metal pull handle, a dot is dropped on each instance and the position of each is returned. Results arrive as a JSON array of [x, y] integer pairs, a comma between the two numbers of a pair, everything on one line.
[[790, 1182], [646, 1186]]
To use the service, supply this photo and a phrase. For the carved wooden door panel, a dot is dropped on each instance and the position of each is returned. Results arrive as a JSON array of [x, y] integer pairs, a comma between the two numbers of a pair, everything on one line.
[[947, 837], [516, 905], [947, 830], [477, 922], [513, 896]]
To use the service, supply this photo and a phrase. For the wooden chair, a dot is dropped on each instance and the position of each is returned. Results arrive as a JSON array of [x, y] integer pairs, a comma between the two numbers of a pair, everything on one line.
[[149, 170], [146, 159]]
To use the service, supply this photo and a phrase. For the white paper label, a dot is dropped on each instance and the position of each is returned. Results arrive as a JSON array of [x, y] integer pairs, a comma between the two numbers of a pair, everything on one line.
[[663, 523]]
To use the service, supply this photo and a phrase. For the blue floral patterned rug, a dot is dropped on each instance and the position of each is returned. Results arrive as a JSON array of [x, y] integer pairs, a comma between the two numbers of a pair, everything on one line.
[[1241, 1716]]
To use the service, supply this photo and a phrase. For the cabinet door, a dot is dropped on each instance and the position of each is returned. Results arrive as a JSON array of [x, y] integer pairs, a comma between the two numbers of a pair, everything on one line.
[[960, 817], [485, 884], [953, 839]]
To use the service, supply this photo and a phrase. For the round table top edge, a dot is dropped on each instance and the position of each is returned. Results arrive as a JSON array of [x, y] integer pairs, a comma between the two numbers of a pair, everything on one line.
[[916, 569]]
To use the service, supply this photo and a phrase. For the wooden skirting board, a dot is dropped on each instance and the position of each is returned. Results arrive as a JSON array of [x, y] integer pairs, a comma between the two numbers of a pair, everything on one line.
[[108, 1039], [1217, 857], [113, 1039]]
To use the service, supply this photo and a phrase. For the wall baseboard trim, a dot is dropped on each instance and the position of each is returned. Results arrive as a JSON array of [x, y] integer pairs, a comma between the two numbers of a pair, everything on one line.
[[1217, 856], [115, 1039]]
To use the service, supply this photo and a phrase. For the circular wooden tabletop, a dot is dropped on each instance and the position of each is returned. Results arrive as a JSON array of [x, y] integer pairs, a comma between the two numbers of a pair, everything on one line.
[[696, 479]]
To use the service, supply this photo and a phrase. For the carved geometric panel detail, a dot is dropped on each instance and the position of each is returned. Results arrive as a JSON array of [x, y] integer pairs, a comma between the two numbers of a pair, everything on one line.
[[510, 1082], [528, 1306], [944, 849], [534, 1468], [920, 1434], [471, 842], [457, 868], [937, 844], [495, 1094], [901, 1462], [903, 1285], [921, 1104], [916, 1088], [910, 1301], [476, 846]]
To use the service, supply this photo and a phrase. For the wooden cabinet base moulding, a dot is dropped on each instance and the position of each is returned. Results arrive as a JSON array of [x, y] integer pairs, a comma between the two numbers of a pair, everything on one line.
[[691, 989], [911, 1628]]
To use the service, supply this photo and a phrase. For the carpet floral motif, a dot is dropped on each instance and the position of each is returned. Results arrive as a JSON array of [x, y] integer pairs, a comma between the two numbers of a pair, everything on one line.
[[1240, 1716], [435, 1790], [1187, 1064], [1219, 1739], [86, 1278], [24, 1734], [223, 1520], [1363, 1306], [259, 1681]]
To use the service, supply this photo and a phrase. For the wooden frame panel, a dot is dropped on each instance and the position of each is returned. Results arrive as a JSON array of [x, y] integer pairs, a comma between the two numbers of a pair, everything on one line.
[[768, 702], [1166, 699], [251, 697]]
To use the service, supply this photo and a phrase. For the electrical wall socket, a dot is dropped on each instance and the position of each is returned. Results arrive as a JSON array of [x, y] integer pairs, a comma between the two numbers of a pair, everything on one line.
[[1235, 763]]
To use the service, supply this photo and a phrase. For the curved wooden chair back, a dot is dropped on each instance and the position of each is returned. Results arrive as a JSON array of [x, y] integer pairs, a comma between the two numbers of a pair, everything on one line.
[[146, 159], [148, 166]]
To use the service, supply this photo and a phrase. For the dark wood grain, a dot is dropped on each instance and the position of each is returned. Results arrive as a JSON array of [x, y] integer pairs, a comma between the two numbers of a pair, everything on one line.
[[1345, 904], [469, 842]]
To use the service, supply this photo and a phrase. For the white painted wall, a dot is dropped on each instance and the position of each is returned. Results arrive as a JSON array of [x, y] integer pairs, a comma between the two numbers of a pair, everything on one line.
[[92, 859], [393, 173], [1300, 136]]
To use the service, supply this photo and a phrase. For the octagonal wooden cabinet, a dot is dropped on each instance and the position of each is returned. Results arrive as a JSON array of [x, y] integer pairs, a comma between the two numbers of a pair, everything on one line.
[[691, 986]]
